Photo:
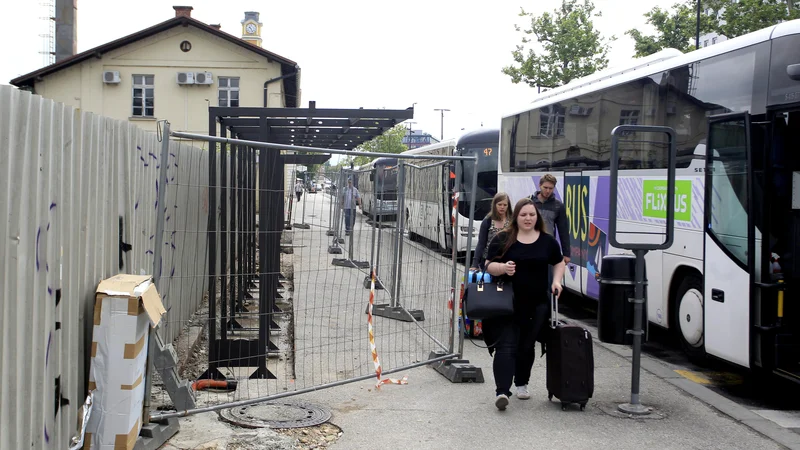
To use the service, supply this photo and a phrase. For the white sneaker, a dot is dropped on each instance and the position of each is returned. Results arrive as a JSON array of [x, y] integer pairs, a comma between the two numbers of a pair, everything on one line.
[[501, 402], [522, 392]]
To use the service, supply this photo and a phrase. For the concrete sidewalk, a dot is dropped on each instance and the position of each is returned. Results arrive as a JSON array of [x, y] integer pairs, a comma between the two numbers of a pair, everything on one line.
[[431, 412]]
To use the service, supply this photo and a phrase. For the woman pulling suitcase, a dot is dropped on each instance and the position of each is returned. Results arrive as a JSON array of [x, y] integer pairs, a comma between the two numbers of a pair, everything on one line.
[[521, 254]]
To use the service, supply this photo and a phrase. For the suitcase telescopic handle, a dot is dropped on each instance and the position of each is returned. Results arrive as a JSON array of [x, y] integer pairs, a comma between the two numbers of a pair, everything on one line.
[[554, 310]]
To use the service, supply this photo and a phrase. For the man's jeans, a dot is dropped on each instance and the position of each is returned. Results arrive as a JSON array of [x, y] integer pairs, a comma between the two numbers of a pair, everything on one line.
[[349, 219]]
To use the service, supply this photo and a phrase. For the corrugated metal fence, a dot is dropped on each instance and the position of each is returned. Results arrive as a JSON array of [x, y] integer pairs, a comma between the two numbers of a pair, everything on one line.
[[75, 188]]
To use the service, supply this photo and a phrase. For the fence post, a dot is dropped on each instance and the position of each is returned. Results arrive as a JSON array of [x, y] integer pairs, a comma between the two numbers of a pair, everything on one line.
[[376, 224], [337, 216], [379, 222], [455, 320], [157, 262], [473, 198], [334, 195], [401, 203], [459, 370]]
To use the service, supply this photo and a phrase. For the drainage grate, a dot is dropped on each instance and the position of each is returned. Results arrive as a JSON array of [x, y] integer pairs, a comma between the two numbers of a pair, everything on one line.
[[277, 414]]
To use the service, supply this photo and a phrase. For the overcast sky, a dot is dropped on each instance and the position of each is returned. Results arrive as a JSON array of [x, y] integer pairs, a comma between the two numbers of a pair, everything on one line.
[[354, 53]]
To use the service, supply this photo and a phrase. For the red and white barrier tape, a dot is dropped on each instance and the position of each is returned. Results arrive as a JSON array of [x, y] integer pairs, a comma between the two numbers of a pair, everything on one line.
[[375, 359]]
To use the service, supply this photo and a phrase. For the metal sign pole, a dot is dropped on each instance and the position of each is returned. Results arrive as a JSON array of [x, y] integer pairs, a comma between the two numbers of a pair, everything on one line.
[[635, 407]]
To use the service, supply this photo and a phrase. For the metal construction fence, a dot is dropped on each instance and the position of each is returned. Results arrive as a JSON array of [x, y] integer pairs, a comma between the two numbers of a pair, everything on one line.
[[255, 311], [294, 309], [80, 204]]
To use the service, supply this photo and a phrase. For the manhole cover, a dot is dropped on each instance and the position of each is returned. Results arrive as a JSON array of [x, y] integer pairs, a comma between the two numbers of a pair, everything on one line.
[[277, 414]]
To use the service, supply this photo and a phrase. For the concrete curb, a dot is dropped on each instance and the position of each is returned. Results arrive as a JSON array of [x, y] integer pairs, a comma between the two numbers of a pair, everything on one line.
[[728, 407]]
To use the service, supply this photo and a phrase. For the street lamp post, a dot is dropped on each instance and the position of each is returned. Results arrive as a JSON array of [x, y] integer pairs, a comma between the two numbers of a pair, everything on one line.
[[697, 35], [441, 135]]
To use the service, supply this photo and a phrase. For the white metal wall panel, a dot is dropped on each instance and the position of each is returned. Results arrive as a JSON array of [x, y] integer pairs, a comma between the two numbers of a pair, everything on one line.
[[68, 179]]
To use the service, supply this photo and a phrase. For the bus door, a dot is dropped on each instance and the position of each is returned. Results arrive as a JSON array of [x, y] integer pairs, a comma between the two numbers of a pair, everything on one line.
[[729, 239], [575, 195], [776, 192]]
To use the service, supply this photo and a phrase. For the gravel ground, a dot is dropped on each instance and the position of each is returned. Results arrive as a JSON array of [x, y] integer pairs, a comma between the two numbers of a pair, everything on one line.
[[193, 360]]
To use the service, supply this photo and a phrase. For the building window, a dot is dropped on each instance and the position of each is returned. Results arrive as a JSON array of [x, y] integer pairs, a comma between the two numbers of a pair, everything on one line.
[[551, 121], [229, 91], [628, 117], [143, 96], [713, 41], [705, 43]]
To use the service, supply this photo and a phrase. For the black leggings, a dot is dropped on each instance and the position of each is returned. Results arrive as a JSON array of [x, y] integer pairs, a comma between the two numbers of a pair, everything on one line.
[[514, 340]]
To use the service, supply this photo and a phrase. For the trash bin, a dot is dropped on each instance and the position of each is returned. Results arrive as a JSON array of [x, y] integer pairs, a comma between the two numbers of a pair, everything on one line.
[[614, 311]]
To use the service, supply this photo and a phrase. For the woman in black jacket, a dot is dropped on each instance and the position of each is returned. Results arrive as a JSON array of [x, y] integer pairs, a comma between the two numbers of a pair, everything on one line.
[[495, 222]]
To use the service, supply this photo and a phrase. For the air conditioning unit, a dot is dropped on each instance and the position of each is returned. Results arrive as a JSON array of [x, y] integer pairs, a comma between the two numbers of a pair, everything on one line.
[[203, 78], [185, 78], [111, 77]]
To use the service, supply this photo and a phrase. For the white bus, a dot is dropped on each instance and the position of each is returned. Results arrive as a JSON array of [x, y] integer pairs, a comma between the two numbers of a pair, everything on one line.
[[384, 202], [429, 199], [717, 286]]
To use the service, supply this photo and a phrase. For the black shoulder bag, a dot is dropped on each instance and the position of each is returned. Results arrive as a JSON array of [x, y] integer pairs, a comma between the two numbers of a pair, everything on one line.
[[489, 300]]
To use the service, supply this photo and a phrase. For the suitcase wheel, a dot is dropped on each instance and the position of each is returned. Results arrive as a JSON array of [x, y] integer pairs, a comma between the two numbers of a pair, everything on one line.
[[583, 406], [563, 406], [549, 397]]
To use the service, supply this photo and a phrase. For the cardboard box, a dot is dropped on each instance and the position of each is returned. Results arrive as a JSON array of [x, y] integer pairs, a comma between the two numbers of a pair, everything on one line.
[[125, 308]]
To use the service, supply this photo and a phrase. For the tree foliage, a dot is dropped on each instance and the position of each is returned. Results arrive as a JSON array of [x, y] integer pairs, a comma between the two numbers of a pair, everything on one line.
[[675, 28], [735, 18], [391, 141], [567, 46]]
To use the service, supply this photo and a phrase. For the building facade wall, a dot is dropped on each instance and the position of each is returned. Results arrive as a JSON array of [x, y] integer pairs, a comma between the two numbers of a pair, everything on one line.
[[185, 106]]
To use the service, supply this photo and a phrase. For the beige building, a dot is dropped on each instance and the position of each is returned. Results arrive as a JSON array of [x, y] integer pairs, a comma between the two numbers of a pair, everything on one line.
[[174, 70]]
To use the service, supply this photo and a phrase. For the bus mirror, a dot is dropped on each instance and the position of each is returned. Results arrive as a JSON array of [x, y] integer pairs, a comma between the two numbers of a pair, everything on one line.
[[793, 70]]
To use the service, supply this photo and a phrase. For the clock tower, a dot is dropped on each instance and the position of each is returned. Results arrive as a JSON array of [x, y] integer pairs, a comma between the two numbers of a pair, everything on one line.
[[251, 28]]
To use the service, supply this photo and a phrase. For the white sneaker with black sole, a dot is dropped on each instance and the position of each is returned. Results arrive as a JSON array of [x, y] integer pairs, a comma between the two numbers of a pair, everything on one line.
[[522, 392], [501, 402]]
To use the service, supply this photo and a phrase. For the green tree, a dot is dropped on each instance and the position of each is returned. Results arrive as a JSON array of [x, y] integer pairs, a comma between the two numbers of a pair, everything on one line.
[[738, 17], [391, 141], [568, 46], [675, 28]]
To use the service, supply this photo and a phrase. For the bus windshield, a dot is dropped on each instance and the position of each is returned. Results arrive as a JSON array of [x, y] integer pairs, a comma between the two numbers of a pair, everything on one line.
[[487, 178], [387, 180]]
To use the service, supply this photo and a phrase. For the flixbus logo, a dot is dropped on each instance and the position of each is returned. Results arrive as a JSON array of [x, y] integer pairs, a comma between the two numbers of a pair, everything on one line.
[[654, 199]]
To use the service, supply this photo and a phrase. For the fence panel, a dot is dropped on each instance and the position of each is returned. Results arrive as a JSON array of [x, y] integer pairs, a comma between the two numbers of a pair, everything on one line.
[[290, 306], [78, 206]]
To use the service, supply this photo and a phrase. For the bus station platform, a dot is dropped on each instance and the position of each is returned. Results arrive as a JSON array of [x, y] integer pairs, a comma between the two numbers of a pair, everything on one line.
[[431, 412]]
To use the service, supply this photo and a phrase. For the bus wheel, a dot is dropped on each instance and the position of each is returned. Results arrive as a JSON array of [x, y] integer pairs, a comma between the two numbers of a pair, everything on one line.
[[688, 317]]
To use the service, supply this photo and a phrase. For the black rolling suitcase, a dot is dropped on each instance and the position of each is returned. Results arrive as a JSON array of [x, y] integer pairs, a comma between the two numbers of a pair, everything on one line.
[[570, 362]]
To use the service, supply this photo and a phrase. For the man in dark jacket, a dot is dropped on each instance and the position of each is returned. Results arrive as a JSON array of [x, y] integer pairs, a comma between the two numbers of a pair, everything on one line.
[[553, 213]]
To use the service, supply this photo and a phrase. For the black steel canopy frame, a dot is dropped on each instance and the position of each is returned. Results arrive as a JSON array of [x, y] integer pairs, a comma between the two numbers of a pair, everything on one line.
[[261, 170]]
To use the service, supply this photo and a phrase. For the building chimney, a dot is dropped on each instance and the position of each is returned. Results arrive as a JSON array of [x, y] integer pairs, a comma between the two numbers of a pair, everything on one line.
[[66, 29], [183, 11], [215, 26]]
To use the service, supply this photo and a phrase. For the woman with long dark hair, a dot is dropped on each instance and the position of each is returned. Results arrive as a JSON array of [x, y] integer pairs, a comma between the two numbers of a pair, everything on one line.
[[497, 219], [521, 254]]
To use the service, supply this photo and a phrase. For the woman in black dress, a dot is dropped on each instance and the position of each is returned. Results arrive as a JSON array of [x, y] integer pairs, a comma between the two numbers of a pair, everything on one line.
[[521, 254]]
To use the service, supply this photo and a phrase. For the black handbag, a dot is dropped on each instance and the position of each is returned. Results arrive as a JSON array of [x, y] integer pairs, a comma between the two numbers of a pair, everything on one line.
[[489, 300]]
